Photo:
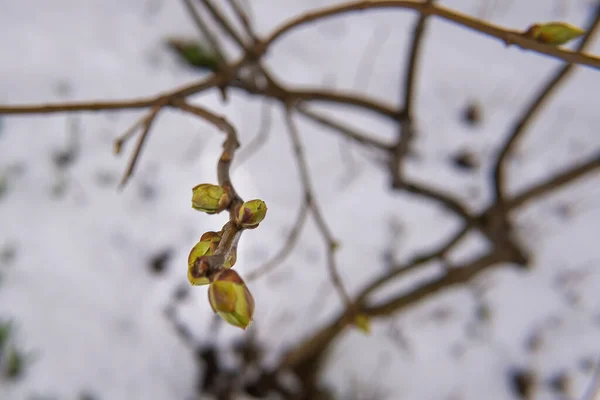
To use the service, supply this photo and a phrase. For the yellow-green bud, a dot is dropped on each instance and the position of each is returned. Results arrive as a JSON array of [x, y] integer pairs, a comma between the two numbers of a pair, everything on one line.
[[196, 269], [251, 213], [209, 198], [362, 322], [230, 298]]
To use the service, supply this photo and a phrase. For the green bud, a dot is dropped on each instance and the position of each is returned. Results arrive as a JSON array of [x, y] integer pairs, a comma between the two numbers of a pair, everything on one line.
[[230, 298], [251, 213], [209, 198], [196, 269], [362, 322]]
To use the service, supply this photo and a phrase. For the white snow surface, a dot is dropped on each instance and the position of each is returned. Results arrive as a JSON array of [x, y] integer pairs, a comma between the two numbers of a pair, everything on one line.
[[79, 290]]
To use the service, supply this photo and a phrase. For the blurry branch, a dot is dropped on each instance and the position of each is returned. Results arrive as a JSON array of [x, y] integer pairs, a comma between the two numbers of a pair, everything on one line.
[[364, 71], [558, 181], [224, 24], [508, 36], [309, 195], [205, 31], [593, 390], [494, 222], [347, 131], [532, 110], [290, 242], [145, 125], [406, 128], [449, 279], [261, 137], [245, 19]]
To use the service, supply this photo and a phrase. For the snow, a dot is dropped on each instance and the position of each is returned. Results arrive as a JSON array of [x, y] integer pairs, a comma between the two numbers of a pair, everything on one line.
[[79, 290]]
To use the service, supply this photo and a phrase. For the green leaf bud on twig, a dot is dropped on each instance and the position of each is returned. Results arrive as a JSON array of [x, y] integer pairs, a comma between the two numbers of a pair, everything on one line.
[[251, 213], [211, 199], [230, 298], [363, 323], [553, 33]]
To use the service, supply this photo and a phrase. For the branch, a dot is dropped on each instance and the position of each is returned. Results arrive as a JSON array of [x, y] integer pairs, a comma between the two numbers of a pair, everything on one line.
[[532, 110], [285, 251], [203, 28], [243, 17], [406, 119], [146, 125], [347, 131], [451, 278], [281, 92], [507, 36], [413, 264], [332, 244], [261, 137], [554, 182], [225, 25]]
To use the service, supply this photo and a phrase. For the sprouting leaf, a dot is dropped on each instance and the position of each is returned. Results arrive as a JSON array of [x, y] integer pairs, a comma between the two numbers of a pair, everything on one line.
[[363, 323], [553, 33], [195, 54]]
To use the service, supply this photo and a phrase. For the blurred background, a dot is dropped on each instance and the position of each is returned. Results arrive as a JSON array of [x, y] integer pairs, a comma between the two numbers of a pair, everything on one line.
[[94, 300]]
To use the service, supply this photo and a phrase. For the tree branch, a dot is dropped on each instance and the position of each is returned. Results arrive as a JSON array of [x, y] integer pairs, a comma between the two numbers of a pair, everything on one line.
[[332, 244], [507, 36], [532, 110]]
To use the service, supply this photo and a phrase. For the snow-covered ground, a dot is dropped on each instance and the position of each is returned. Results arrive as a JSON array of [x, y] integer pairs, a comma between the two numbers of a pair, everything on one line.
[[79, 288]]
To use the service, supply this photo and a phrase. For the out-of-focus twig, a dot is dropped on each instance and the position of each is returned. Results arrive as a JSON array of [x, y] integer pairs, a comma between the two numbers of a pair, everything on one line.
[[331, 243], [290, 242], [528, 116]]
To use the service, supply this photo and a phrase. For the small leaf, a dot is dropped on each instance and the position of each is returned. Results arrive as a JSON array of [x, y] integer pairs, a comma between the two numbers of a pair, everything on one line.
[[363, 323], [553, 33], [195, 54]]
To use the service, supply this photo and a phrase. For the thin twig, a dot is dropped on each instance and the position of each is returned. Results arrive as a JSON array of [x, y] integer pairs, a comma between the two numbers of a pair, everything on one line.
[[346, 131], [146, 125], [290, 242], [245, 19], [225, 24], [528, 116], [451, 278], [508, 36], [205, 31], [261, 137], [555, 182], [406, 121], [332, 244], [364, 70], [282, 92], [414, 263], [128, 134], [593, 390]]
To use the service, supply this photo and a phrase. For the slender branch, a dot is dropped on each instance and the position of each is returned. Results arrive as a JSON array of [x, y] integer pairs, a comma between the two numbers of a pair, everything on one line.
[[413, 264], [317, 94], [128, 134], [554, 182], [225, 24], [290, 242], [451, 278], [533, 109], [261, 137], [345, 130], [332, 244], [146, 125], [507, 36], [410, 78], [243, 17], [205, 31]]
